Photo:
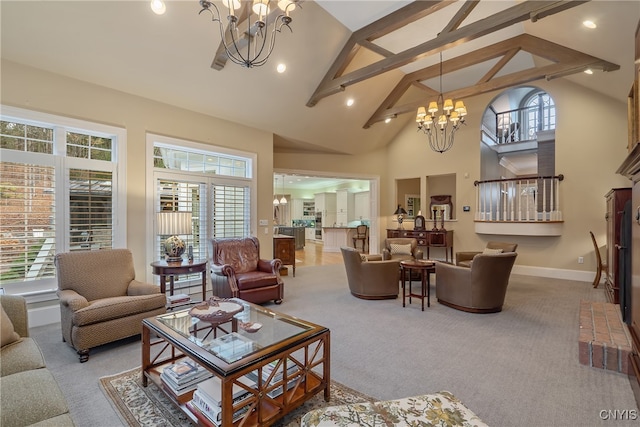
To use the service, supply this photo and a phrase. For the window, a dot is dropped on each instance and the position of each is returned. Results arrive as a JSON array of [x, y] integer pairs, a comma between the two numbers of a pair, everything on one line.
[[213, 183], [539, 113], [59, 192]]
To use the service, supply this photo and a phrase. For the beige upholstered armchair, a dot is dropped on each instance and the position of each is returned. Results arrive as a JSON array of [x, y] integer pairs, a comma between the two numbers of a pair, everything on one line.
[[100, 300], [480, 288], [464, 259], [401, 248], [371, 279], [238, 271]]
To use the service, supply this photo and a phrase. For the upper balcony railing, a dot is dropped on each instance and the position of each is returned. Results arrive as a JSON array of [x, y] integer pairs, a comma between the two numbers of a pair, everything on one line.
[[531, 199], [518, 125]]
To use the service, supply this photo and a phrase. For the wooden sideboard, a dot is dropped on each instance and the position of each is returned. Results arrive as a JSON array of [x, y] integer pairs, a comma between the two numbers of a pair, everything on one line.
[[428, 239], [284, 248]]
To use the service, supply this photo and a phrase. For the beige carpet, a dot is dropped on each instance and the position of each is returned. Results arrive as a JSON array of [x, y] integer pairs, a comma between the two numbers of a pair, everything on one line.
[[148, 406]]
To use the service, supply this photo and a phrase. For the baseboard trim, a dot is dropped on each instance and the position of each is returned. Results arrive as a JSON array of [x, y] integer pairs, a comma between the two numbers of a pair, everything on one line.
[[554, 273]]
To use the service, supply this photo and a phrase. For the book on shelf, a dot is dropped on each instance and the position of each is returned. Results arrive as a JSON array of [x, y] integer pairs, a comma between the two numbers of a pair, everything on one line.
[[211, 388], [232, 347], [212, 411], [181, 398], [183, 376], [269, 368], [178, 300]]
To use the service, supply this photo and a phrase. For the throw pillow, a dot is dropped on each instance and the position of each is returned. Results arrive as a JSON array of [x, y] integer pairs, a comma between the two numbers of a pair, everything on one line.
[[488, 251], [397, 249], [7, 334]]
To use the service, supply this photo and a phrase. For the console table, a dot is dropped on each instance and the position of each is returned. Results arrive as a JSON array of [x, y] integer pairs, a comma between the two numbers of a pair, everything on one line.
[[428, 238]]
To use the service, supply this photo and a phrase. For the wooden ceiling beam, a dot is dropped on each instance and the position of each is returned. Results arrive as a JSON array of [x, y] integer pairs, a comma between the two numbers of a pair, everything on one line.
[[515, 14], [460, 16], [398, 19], [566, 62]]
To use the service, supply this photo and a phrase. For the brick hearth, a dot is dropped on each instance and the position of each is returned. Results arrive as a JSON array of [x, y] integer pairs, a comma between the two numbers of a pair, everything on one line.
[[604, 339]]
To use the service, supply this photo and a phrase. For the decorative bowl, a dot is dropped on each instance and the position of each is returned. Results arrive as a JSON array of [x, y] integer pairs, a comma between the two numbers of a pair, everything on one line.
[[216, 310], [250, 327]]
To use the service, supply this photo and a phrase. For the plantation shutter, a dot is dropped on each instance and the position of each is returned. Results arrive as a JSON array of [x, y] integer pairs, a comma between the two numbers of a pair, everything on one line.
[[27, 210], [230, 211], [90, 210]]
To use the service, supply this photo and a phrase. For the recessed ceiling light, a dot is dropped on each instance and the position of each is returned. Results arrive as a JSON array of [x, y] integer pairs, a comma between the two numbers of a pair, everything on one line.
[[281, 68], [589, 24], [588, 71], [350, 102], [158, 7]]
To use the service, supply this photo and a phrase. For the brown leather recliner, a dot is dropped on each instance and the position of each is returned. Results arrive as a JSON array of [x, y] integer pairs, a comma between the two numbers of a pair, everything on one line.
[[238, 271], [464, 259], [388, 253], [478, 289], [371, 279]]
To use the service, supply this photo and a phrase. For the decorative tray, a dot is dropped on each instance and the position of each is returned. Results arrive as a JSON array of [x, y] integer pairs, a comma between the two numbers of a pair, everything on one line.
[[216, 310]]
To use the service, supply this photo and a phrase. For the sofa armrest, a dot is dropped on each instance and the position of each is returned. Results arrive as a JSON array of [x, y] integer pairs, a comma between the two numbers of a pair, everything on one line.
[[465, 256], [16, 308], [226, 270], [386, 255], [137, 288], [72, 299], [270, 266]]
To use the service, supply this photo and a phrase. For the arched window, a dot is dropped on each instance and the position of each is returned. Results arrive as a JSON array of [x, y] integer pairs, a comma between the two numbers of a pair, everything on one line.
[[539, 113]]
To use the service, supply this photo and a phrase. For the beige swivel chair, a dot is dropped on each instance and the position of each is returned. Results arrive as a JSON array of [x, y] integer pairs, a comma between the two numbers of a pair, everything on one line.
[[401, 248], [464, 259], [238, 271], [100, 299], [371, 279], [480, 288]]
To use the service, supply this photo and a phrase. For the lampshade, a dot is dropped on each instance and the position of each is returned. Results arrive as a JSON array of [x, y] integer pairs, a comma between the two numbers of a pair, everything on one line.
[[400, 211], [173, 223], [448, 105]]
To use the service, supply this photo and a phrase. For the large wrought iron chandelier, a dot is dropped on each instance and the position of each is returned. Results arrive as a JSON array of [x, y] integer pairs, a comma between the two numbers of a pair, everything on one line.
[[253, 48], [441, 120]]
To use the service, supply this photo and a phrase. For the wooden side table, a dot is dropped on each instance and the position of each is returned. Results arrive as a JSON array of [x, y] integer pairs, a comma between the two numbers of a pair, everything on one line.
[[284, 247], [425, 268], [163, 269]]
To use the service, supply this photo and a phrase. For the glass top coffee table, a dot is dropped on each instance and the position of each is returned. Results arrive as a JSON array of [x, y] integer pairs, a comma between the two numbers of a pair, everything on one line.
[[279, 361]]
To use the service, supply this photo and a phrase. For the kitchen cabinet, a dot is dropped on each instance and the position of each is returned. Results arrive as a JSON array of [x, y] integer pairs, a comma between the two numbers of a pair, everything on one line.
[[302, 209], [325, 204], [344, 207], [362, 205], [310, 233]]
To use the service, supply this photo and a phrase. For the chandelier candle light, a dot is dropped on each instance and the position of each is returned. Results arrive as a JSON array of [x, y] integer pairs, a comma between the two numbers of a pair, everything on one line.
[[449, 118], [172, 224], [257, 50]]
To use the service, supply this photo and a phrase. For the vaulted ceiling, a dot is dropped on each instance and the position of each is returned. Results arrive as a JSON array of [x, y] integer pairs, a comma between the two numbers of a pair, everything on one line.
[[385, 55]]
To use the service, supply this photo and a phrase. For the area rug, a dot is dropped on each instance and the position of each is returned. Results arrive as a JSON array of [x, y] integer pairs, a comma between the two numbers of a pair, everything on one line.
[[148, 406]]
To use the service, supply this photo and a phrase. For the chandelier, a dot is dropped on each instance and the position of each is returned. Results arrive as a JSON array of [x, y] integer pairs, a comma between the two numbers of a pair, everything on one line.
[[259, 39], [441, 120]]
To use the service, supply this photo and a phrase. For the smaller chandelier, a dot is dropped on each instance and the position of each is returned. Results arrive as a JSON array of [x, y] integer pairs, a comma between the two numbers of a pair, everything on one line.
[[257, 50], [441, 120]]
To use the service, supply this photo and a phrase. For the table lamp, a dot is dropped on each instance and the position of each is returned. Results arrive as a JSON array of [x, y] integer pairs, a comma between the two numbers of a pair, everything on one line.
[[400, 211], [172, 224]]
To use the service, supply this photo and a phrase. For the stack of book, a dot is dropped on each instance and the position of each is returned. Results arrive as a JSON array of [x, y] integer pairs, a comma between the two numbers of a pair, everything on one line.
[[206, 403], [177, 300], [182, 378]]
